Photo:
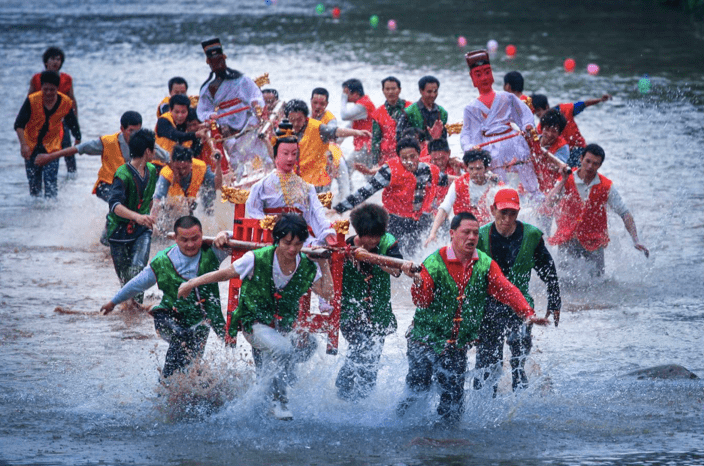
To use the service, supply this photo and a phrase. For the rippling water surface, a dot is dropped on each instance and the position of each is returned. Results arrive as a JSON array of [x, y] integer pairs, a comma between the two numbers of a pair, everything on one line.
[[76, 388]]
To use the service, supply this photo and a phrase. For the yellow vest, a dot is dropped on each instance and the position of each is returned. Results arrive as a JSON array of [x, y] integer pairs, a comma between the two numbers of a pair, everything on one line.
[[111, 159], [197, 177], [165, 143], [52, 139], [313, 157]]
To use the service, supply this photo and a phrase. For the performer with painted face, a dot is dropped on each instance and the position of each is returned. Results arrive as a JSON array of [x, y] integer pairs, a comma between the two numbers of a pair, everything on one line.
[[487, 119]]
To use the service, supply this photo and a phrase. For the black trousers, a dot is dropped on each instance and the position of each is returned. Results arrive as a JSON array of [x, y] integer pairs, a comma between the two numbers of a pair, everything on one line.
[[499, 323], [357, 377], [449, 369], [185, 344], [408, 232]]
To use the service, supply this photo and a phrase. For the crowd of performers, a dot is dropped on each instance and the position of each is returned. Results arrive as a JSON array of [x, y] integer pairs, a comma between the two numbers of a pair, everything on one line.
[[474, 291]]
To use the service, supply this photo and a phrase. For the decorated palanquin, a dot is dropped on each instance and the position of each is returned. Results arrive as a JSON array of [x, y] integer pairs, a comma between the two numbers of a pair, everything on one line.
[[260, 231]]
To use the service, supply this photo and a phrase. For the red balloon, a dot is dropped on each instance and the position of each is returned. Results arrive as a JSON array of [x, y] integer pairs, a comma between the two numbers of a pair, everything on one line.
[[511, 50], [570, 65], [336, 13]]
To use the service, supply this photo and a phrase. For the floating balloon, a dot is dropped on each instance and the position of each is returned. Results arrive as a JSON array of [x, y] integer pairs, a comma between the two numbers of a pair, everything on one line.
[[391, 25], [336, 13], [511, 50], [593, 69], [269, 2], [644, 84], [492, 46], [320, 9], [569, 65], [462, 41], [374, 21]]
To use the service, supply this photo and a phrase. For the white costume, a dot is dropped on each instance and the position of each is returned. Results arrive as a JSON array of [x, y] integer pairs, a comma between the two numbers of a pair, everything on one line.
[[268, 193], [483, 124]]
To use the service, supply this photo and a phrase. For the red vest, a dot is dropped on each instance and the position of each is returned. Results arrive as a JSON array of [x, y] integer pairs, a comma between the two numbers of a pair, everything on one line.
[[65, 83], [547, 176], [463, 201], [388, 132], [398, 196], [364, 142], [584, 220], [571, 133]]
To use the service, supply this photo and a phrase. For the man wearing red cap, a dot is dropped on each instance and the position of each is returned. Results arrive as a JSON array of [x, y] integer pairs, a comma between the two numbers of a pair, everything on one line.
[[582, 227], [488, 117], [450, 293], [517, 248]]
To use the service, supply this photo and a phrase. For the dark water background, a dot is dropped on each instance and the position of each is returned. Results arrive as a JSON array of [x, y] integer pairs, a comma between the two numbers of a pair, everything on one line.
[[79, 389]]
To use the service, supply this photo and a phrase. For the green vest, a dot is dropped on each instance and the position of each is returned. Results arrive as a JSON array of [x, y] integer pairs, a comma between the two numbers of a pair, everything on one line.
[[188, 311], [358, 288], [416, 119], [260, 300], [433, 324], [134, 202], [519, 274]]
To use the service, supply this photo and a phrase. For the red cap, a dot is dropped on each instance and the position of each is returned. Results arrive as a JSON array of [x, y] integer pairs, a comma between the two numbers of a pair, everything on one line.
[[507, 199]]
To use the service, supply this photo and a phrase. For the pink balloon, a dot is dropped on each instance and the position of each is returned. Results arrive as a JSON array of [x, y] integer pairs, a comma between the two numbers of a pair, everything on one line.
[[462, 41], [593, 69], [391, 25]]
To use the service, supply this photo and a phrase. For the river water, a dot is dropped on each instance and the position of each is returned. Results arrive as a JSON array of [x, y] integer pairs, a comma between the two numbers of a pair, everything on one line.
[[77, 388]]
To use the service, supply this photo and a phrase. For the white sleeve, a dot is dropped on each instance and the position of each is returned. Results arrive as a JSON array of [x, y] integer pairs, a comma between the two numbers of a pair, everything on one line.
[[318, 273], [254, 206], [140, 283], [315, 216], [244, 266], [615, 201], [521, 112], [205, 105], [449, 200], [469, 136], [352, 111]]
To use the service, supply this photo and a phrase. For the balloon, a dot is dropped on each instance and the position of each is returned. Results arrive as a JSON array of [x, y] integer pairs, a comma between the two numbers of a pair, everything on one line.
[[492, 46], [336, 13], [511, 50], [374, 21], [569, 65], [644, 84], [593, 69], [320, 9], [391, 25], [461, 41]]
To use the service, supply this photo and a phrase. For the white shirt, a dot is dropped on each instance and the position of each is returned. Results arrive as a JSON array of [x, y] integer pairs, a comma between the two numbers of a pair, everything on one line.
[[476, 191], [244, 266], [614, 201]]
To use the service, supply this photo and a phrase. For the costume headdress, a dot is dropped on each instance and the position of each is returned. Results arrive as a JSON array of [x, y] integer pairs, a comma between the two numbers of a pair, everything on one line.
[[212, 47], [477, 58]]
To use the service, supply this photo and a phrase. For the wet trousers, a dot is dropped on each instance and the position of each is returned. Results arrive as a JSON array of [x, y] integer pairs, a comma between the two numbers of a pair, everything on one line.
[[46, 175], [448, 368], [409, 232], [66, 142], [130, 257], [499, 323], [357, 377], [278, 353], [185, 344], [572, 250]]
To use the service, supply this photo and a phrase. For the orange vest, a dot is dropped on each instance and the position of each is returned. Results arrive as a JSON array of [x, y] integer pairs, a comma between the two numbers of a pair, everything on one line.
[[327, 117], [584, 220], [313, 157], [65, 82], [463, 201], [359, 141], [398, 196], [165, 143], [197, 177], [52, 139], [388, 132], [111, 159]]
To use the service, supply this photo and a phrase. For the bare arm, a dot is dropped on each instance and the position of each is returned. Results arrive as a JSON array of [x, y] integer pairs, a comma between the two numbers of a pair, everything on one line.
[[145, 220], [440, 218], [630, 225], [324, 286], [590, 102], [24, 147], [211, 277], [43, 159], [345, 132]]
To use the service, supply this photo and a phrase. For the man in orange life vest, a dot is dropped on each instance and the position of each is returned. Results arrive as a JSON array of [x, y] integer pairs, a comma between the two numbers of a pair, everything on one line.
[[185, 177], [113, 149], [53, 61], [171, 127], [582, 229], [39, 128], [409, 190], [570, 110], [177, 86], [385, 119], [358, 108]]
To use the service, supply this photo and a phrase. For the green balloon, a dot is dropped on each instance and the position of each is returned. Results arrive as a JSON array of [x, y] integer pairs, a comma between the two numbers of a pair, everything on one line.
[[374, 21], [644, 85], [320, 9]]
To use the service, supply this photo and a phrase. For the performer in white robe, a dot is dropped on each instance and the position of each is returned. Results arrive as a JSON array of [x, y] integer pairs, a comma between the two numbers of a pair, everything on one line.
[[487, 118], [223, 88], [284, 191]]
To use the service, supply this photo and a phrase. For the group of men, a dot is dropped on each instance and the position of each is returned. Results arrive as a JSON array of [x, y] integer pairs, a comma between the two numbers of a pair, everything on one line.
[[471, 292]]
